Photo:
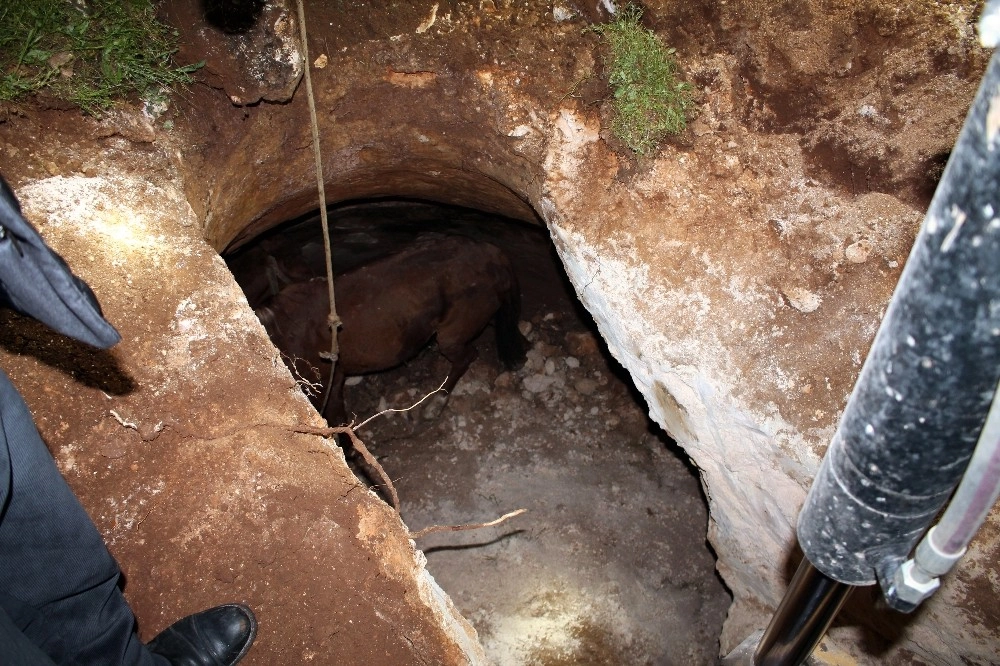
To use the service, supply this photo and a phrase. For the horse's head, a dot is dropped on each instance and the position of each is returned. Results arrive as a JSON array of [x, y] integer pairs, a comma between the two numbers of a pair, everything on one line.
[[266, 315]]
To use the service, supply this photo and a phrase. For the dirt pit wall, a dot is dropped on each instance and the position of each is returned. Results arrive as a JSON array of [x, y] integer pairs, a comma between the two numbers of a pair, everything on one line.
[[182, 444]]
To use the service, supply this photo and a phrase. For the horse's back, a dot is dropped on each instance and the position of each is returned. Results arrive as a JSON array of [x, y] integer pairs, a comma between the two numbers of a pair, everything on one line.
[[425, 275], [439, 285], [431, 257], [448, 286]]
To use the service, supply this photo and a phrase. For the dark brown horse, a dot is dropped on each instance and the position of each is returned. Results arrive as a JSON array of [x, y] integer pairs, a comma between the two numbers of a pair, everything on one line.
[[444, 287]]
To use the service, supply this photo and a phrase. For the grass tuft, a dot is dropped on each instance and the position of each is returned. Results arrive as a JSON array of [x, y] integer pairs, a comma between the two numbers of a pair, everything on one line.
[[88, 52], [649, 102]]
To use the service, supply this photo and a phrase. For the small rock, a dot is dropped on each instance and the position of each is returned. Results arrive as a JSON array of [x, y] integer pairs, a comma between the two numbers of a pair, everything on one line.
[[572, 362], [470, 386], [560, 12], [546, 350], [550, 367], [581, 344], [538, 383], [857, 253], [400, 397], [148, 432], [585, 386], [132, 127], [525, 327], [534, 361], [801, 299], [504, 380], [354, 381]]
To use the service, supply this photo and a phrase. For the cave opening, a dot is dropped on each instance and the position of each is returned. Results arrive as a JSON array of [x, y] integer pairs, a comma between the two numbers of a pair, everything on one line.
[[612, 550]]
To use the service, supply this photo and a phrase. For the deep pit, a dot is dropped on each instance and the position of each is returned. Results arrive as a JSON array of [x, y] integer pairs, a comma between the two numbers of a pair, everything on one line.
[[612, 548]]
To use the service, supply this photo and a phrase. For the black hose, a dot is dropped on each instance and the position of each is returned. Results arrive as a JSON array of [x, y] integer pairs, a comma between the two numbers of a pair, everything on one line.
[[917, 409]]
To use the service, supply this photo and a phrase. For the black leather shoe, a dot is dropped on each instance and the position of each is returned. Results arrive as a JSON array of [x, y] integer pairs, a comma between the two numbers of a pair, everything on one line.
[[219, 636]]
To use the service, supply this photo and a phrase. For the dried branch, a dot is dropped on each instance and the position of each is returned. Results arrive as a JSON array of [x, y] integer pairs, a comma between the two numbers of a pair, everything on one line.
[[349, 430], [470, 526]]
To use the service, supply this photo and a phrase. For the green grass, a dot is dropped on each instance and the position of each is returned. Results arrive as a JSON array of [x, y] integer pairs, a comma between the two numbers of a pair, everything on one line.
[[649, 102], [89, 52]]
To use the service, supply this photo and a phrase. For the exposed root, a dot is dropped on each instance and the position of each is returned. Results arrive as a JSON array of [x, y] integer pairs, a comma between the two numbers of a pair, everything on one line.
[[360, 447], [307, 386], [470, 526], [404, 409]]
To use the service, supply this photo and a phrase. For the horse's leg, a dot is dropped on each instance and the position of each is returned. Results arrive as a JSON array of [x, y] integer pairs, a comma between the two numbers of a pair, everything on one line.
[[335, 412], [461, 356]]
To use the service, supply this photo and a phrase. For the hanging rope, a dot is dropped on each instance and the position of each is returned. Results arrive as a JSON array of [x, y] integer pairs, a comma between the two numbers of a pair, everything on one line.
[[333, 320]]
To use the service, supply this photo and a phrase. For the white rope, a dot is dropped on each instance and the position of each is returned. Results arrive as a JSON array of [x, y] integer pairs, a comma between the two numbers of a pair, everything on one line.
[[333, 320]]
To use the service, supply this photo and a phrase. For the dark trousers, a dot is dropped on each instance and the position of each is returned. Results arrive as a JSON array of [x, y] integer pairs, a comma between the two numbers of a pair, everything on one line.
[[59, 596]]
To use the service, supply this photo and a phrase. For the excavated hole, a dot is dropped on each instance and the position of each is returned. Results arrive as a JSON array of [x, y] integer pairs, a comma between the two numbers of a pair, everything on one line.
[[610, 565], [751, 75]]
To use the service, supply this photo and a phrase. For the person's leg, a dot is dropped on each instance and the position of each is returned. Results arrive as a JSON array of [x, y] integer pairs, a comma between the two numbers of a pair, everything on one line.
[[59, 583], [16, 649]]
